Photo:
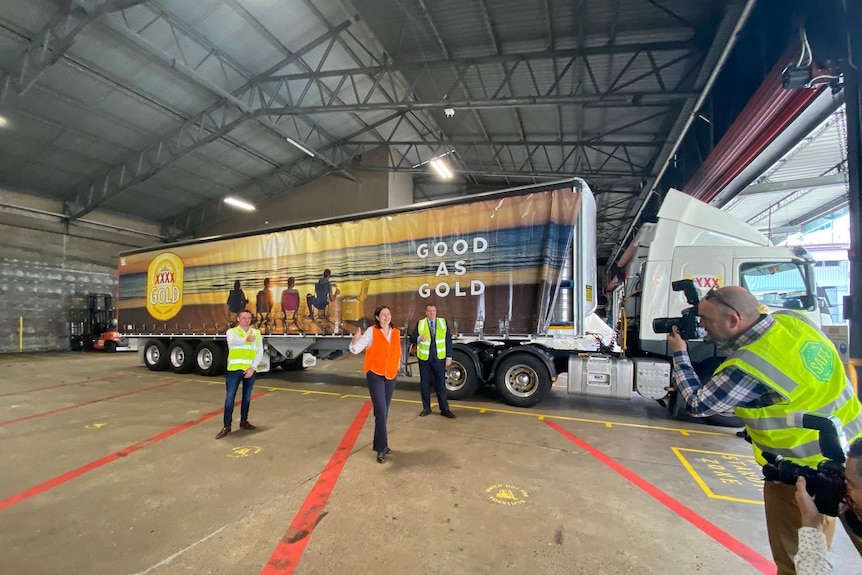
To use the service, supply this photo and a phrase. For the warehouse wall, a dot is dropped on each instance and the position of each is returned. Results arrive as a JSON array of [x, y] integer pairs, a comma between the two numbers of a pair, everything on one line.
[[48, 267], [327, 197]]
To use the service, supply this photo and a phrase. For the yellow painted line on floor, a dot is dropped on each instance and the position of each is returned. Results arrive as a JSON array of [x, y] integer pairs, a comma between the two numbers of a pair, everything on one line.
[[539, 416], [744, 482]]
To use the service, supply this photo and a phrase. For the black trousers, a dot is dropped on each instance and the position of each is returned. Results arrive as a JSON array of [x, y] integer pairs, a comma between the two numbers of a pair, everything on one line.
[[433, 372], [380, 389]]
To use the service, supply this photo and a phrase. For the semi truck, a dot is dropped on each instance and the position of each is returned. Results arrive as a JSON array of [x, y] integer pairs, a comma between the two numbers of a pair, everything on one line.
[[514, 273]]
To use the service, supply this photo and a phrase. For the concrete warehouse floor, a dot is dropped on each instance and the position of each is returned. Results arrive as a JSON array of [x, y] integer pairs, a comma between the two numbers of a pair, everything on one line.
[[110, 468]]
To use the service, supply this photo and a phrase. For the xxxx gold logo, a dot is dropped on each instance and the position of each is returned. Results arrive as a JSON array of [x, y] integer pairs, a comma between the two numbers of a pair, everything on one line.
[[165, 286]]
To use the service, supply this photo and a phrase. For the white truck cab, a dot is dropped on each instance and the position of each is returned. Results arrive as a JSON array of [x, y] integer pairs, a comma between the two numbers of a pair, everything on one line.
[[693, 240]]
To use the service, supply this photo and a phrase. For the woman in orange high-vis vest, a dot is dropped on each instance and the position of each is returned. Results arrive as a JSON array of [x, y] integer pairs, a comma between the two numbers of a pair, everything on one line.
[[382, 346]]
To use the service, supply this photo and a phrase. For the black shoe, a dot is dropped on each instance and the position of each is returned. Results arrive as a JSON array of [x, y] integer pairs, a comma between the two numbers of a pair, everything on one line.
[[448, 414], [424, 412], [381, 457], [387, 451], [247, 425], [224, 431]]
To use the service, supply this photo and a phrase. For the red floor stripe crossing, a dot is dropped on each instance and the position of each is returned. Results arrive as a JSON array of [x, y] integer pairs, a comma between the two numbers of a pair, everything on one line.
[[289, 550], [86, 468], [749, 555], [68, 407]]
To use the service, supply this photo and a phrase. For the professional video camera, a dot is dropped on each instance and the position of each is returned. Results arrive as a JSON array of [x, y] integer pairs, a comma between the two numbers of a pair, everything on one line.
[[686, 325], [826, 483]]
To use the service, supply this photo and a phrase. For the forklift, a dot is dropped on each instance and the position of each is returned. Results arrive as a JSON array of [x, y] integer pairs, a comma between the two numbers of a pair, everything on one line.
[[94, 328]]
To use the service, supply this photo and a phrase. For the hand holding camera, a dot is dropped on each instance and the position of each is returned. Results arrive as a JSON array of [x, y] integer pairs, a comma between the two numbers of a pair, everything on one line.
[[811, 516], [685, 325]]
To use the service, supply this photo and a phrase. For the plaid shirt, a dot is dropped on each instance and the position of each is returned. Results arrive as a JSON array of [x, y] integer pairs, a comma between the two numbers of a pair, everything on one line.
[[729, 387]]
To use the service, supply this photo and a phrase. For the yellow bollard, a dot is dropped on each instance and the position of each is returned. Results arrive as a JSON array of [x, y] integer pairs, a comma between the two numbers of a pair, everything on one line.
[[20, 333]]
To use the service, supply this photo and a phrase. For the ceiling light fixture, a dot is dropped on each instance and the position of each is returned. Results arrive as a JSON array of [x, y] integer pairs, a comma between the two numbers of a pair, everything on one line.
[[239, 203], [439, 166], [299, 146], [3, 122]]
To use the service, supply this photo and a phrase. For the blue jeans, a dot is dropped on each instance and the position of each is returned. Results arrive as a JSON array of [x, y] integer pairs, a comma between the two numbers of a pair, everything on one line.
[[232, 384], [380, 389]]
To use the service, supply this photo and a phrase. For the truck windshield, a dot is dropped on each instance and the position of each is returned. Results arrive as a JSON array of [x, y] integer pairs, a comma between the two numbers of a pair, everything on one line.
[[786, 285]]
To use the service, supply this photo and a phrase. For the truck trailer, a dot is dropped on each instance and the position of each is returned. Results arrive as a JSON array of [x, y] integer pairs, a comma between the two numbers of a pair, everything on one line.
[[514, 273]]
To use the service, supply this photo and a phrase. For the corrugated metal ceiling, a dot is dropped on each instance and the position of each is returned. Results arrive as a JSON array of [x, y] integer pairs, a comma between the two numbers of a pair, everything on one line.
[[159, 108], [807, 184]]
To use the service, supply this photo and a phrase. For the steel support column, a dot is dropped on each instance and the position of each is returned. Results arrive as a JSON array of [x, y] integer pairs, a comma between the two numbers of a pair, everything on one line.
[[853, 101]]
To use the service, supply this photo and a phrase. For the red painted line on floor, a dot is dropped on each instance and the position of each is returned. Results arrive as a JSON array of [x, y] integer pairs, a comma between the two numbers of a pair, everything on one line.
[[288, 552], [749, 555], [68, 407], [88, 467], [82, 382]]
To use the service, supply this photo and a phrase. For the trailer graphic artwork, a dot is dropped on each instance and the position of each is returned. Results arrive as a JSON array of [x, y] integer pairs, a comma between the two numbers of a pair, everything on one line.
[[479, 262]]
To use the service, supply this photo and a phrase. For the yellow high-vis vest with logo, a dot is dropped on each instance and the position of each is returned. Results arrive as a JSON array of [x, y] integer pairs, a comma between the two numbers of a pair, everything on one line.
[[423, 348], [241, 357], [797, 361]]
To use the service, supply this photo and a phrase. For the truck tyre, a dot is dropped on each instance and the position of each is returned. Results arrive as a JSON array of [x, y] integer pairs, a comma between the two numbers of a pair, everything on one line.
[[209, 358], [181, 355], [462, 380], [522, 379], [156, 355], [110, 346], [293, 364]]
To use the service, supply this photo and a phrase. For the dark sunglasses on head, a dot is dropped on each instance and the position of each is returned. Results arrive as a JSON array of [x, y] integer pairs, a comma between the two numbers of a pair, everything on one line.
[[713, 294]]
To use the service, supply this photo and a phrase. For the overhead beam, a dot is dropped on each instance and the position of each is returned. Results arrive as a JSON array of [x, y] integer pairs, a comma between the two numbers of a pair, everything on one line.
[[627, 98], [794, 185], [187, 69], [829, 208], [213, 123], [725, 38], [456, 140], [421, 66], [496, 173], [52, 41], [288, 176]]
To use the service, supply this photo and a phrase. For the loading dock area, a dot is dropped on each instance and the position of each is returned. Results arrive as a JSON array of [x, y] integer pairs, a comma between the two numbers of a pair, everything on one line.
[[111, 468]]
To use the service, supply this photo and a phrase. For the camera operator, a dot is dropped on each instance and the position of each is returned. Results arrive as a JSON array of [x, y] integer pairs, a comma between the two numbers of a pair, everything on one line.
[[776, 365], [812, 557]]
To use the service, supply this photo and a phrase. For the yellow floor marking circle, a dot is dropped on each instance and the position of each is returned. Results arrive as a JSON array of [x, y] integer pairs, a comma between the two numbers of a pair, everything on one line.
[[244, 451], [506, 494]]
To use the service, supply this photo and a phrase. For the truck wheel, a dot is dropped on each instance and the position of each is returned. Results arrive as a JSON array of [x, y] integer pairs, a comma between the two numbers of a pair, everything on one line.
[[182, 356], [522, 379], [294, 364], [209, 358], [462, 381], [156, 355], [110, 346]]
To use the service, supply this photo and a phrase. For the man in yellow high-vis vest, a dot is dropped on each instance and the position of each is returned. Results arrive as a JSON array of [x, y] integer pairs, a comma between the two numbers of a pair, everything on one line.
[[434, 351], [776, 365], [245, 352]]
